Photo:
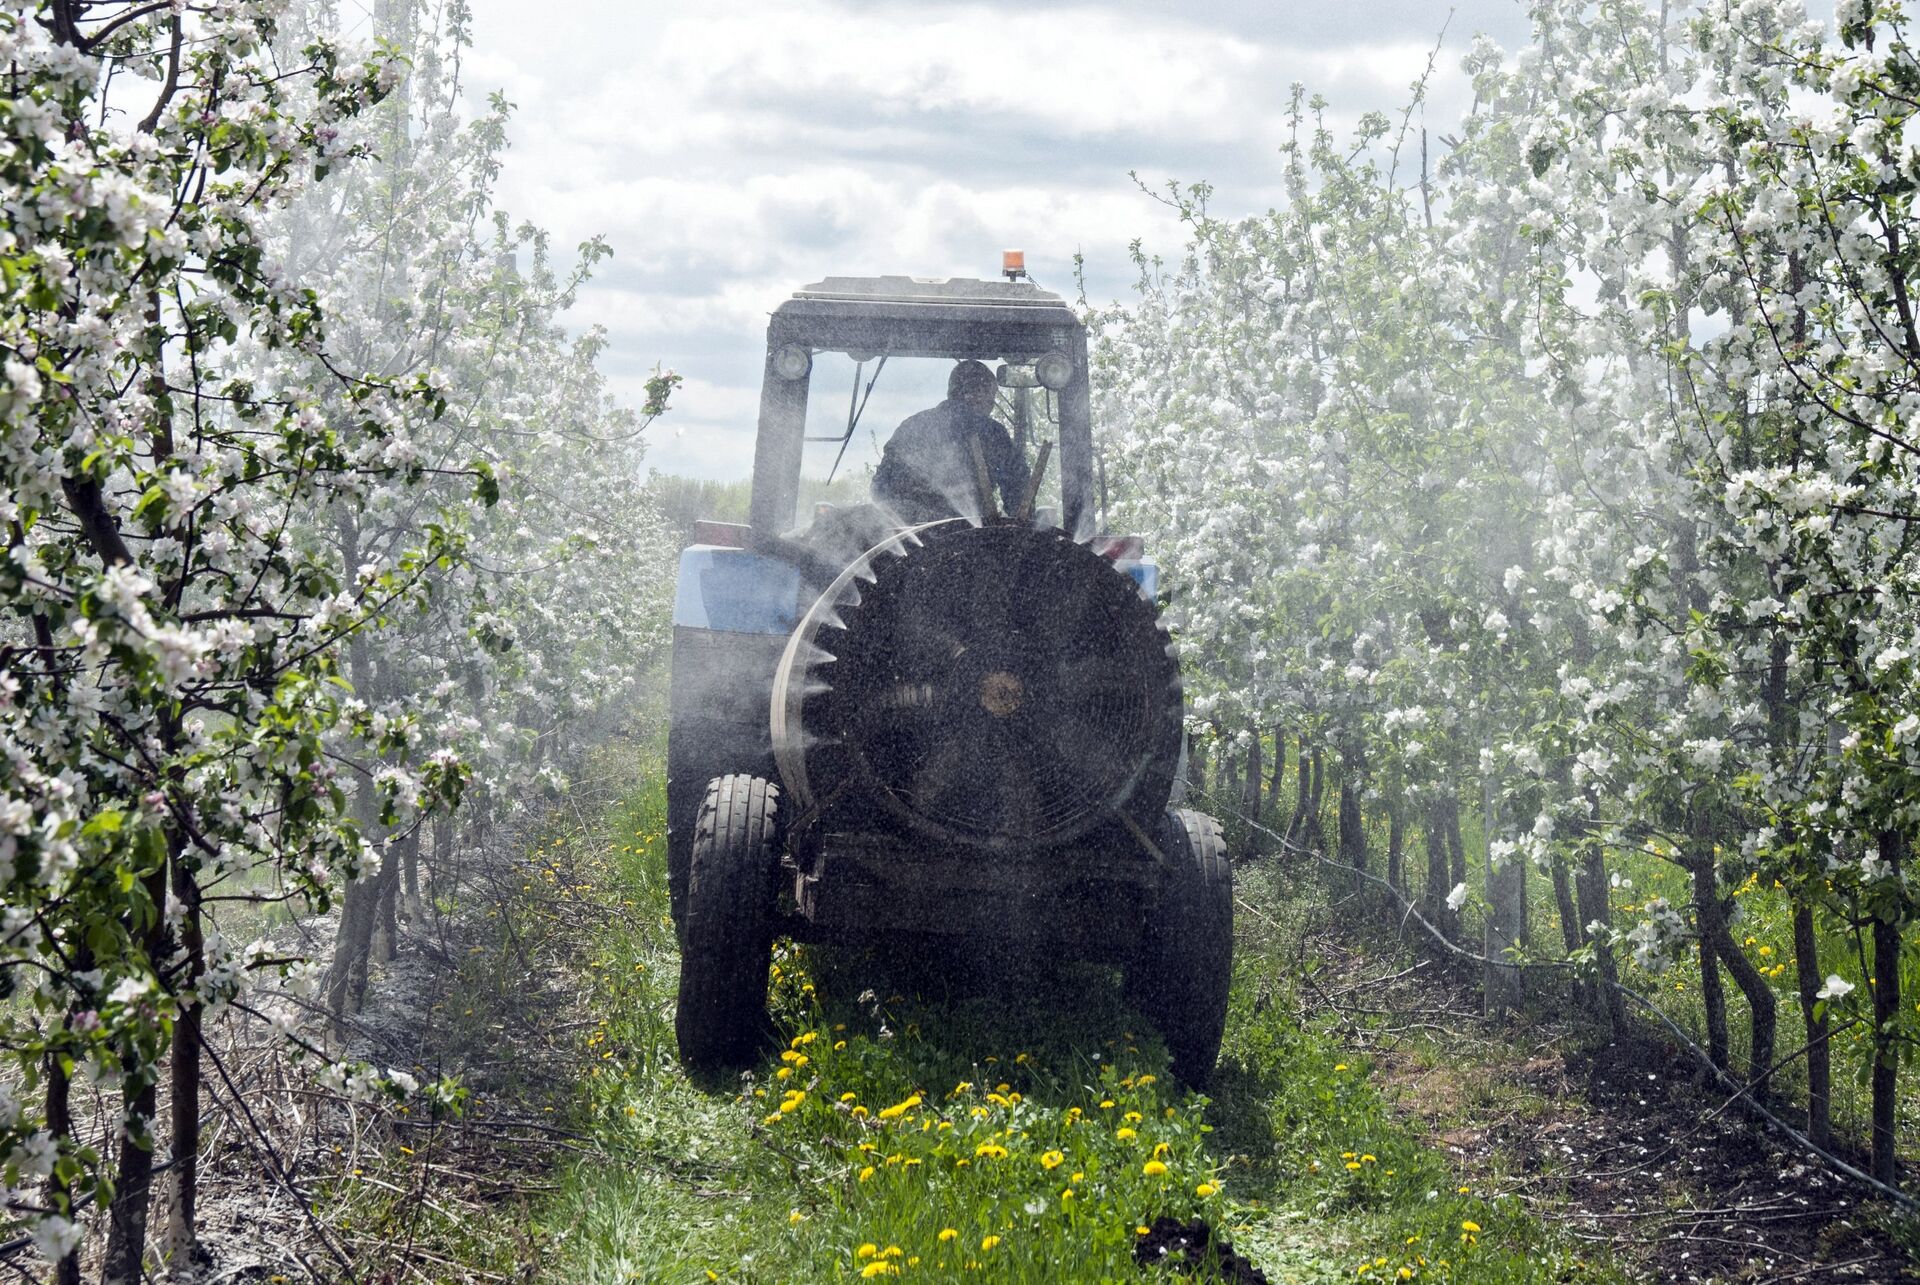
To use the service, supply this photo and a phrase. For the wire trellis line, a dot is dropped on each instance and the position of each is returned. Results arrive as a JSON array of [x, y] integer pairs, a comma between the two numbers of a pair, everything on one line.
[[1722, 1077]]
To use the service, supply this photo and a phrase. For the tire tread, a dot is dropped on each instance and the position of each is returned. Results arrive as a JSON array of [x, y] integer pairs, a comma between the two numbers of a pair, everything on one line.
[[727, 939], [1184, 969]]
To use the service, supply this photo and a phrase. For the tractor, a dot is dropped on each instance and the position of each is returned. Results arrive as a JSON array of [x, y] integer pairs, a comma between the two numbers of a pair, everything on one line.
[[967, 730]]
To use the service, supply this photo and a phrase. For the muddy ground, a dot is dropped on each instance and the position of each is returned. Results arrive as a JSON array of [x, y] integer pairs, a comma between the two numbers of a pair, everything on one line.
[[1625, 1143]]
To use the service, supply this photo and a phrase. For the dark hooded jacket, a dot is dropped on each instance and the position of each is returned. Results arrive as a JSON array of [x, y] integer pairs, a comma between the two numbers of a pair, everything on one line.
[[926, 470]]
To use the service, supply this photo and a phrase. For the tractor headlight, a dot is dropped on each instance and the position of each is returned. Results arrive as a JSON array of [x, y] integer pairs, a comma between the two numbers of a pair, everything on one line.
[[792, 362], [1055, 370]]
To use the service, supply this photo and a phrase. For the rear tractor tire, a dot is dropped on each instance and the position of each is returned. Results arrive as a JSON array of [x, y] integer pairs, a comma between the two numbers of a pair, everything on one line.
[[1183, 969], [727, 930]]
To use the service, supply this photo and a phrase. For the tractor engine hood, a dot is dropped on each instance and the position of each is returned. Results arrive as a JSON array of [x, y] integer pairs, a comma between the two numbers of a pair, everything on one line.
[[999, 687]]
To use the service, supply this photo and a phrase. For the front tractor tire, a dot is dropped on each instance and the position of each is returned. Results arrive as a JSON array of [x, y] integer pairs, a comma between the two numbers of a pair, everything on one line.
[[1183, 969], [727, 926]]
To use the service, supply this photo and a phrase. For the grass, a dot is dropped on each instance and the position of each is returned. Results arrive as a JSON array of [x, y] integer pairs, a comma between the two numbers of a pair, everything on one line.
[[1762, 925], [985, 1118]]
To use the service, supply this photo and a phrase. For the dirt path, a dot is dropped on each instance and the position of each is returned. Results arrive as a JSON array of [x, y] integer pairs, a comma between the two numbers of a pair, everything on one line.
[[1622, 1144]]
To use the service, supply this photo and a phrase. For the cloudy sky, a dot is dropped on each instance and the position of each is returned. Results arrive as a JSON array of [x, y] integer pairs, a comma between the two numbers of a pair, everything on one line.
[[733, 151]]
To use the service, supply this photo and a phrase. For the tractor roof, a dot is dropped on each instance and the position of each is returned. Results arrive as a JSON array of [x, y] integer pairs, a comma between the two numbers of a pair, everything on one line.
[[926, 317]]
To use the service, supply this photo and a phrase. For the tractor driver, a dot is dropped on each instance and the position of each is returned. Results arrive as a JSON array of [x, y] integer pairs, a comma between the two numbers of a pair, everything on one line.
[[927, 469]]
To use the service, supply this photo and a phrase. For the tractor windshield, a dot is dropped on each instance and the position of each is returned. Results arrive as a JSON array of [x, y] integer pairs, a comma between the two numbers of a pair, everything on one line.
[[853, 408]]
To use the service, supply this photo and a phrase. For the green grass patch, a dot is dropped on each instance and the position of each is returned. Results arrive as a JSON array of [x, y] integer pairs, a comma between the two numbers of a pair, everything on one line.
[[984, 1118]]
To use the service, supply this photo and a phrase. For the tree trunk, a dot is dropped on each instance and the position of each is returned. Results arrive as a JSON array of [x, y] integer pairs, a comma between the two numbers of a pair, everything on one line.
[[1596, 917], [1297, 823], [1706, 914], [386, 919], [1571, 936], [1250, 788], [386, 932], [1506, 923], [350, 946], [440, 861], [1806, 955], [1762, 1009], [1277, 768], [60, 1125], [1352, 827], [1886, 1016], [125, 1259], [1456, 846], [132, 1186], [1314, 832], [1250, 794], [1436, 910], [412, 890], [183, 1250], [1396, 842]]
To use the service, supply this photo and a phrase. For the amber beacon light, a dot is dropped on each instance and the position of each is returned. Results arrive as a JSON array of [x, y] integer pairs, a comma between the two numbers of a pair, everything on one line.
[[1013, 264]]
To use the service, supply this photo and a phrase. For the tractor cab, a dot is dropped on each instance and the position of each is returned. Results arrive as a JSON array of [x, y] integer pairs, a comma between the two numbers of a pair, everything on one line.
[[965, 727], [1029, 334]]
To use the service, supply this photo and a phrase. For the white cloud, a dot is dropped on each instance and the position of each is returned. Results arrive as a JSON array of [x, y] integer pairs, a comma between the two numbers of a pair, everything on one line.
[[732, 151]]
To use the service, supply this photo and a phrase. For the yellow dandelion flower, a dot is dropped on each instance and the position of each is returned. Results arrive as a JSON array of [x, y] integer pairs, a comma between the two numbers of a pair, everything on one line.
[[878, 1267], [867, 1250], [948, 1233], [1204, 1190], [1124, 1134], [899, 1109], [1051, 1160], [1470, 1225], [988, 1242], [866, 1173], [1153, 1169]]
